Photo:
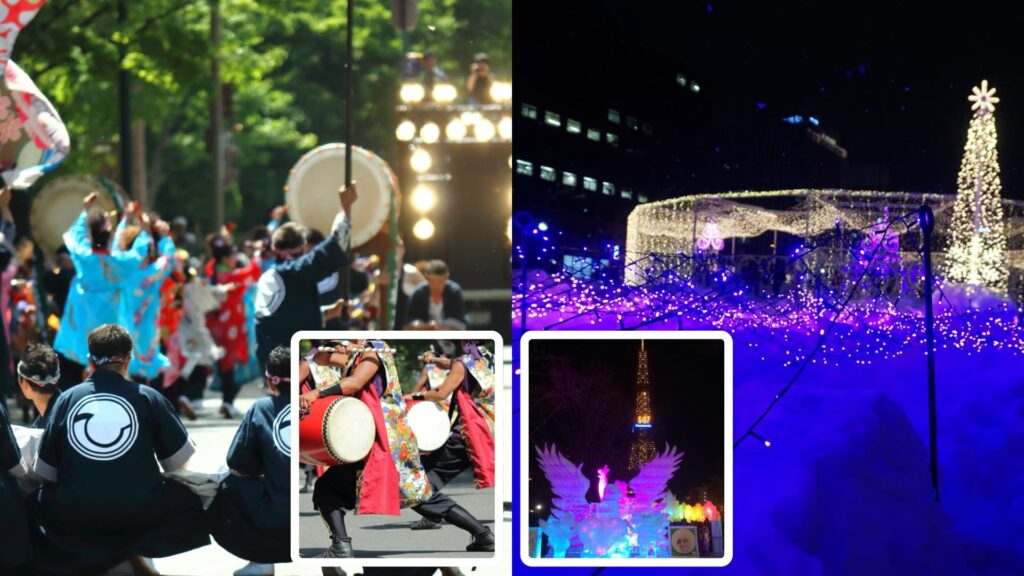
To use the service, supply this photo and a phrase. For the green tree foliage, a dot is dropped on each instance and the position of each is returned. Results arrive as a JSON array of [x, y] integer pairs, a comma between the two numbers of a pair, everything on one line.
[[285, 59]]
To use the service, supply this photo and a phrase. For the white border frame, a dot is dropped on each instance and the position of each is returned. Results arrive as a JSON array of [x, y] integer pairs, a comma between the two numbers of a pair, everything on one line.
[[500, 443], [524, 450]]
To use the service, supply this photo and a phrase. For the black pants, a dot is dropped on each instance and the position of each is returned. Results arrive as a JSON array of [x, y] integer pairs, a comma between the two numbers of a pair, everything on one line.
[[228, 387], [442, 467], [336, 489], [191, 387]]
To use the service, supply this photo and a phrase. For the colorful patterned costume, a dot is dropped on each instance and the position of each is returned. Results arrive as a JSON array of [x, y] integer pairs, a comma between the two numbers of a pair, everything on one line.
[[140, 308], [227, 325]]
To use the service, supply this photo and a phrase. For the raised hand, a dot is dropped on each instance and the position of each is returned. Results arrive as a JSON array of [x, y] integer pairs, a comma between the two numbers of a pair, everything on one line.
[[89, 201], [348, 196]]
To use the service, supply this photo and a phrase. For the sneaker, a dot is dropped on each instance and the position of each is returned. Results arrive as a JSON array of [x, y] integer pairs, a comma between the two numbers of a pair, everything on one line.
[[229, 411], [254, 569], [425, 524], [185, 407], [483, 542]]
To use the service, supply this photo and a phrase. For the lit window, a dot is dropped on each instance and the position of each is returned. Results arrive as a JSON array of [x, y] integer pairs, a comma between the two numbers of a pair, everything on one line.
[[529, 111], [648, 128], [608, 189], [589, 184], [547, 173], [631, 123], [612, 139], [569, 179], [594, 135], [552, 119], [573, 126], [627, 194], [641, 198], [523, 167], [613, 116]]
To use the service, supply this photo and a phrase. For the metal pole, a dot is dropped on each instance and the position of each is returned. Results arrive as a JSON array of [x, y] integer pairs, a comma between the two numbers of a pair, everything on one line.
[[124, 84], [927, 220], [216, 123], [346, 271]]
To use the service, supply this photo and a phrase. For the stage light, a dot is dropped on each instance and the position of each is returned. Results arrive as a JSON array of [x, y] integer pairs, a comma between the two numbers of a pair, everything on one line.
[[423, 229], [470, 118], [420, 160], [430, 132], [406, 131], [501, 91], [694, 87], [423, 198], [455, 130], [445, 93], [505, 128], [484, 130], [412, 93], [543, 226]]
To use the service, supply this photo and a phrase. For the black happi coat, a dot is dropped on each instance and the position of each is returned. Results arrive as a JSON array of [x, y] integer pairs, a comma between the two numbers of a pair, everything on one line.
[[105, 498], [250, 515]]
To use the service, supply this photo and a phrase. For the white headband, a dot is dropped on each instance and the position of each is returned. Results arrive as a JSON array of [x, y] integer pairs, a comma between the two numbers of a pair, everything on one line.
[[38, 380]]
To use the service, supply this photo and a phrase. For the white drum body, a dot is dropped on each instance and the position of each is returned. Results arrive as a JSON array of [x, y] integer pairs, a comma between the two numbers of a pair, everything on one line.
[[314, 182], [429, 423]]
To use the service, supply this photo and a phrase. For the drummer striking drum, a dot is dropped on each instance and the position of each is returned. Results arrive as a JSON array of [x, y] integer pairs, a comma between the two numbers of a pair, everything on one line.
[[391, 476], [471, 443]]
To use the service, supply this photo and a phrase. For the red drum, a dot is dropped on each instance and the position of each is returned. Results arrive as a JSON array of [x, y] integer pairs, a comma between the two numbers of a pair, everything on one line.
[[429, 423], [337, 430]]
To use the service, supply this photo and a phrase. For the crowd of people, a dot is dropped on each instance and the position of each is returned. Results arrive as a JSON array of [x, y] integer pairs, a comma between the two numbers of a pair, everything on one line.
[[141, 322]]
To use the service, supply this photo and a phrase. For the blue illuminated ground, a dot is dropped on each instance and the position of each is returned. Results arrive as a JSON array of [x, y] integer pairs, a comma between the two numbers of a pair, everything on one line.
[[845, 487]]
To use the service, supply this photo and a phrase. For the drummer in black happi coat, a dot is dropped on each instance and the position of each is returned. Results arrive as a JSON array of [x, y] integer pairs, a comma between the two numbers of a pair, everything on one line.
[[104, 499], [249, 516]]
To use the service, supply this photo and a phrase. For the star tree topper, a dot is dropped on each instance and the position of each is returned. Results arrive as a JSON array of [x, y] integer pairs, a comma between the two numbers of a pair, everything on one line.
[[984, 99]]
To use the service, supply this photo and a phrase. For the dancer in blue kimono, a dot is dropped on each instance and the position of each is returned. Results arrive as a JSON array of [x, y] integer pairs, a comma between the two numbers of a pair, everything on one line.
[[104, 499], [15, 546], [95, 295], [140, 299], [250, 515]]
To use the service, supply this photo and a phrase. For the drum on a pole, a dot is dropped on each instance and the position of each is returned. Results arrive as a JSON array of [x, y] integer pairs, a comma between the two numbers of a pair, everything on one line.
[[337, 430], [59, 203], [314, 182]]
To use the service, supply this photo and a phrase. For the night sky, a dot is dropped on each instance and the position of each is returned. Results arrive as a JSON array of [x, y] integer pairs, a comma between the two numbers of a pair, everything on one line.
[[890, 79], [687, 394]]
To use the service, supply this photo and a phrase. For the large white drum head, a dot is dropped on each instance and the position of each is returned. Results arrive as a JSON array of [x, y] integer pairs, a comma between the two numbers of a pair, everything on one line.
[[313, 184], [429, 424], [57, 206], [349, 430]]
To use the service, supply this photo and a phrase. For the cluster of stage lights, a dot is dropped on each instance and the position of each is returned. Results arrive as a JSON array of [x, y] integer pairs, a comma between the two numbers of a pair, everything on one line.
[[457, 130], [413, 93], [787, 326]]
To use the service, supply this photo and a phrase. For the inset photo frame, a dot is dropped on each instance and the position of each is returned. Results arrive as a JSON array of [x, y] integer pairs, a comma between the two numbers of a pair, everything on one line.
[[626, 449], [399, 448]]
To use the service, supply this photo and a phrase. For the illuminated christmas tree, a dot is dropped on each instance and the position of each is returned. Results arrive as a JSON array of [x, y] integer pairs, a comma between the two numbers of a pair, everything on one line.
[[642, 449], [977, 250]]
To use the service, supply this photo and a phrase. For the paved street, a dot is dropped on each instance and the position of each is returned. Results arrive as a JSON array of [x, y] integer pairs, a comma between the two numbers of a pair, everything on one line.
[[376, 536]]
